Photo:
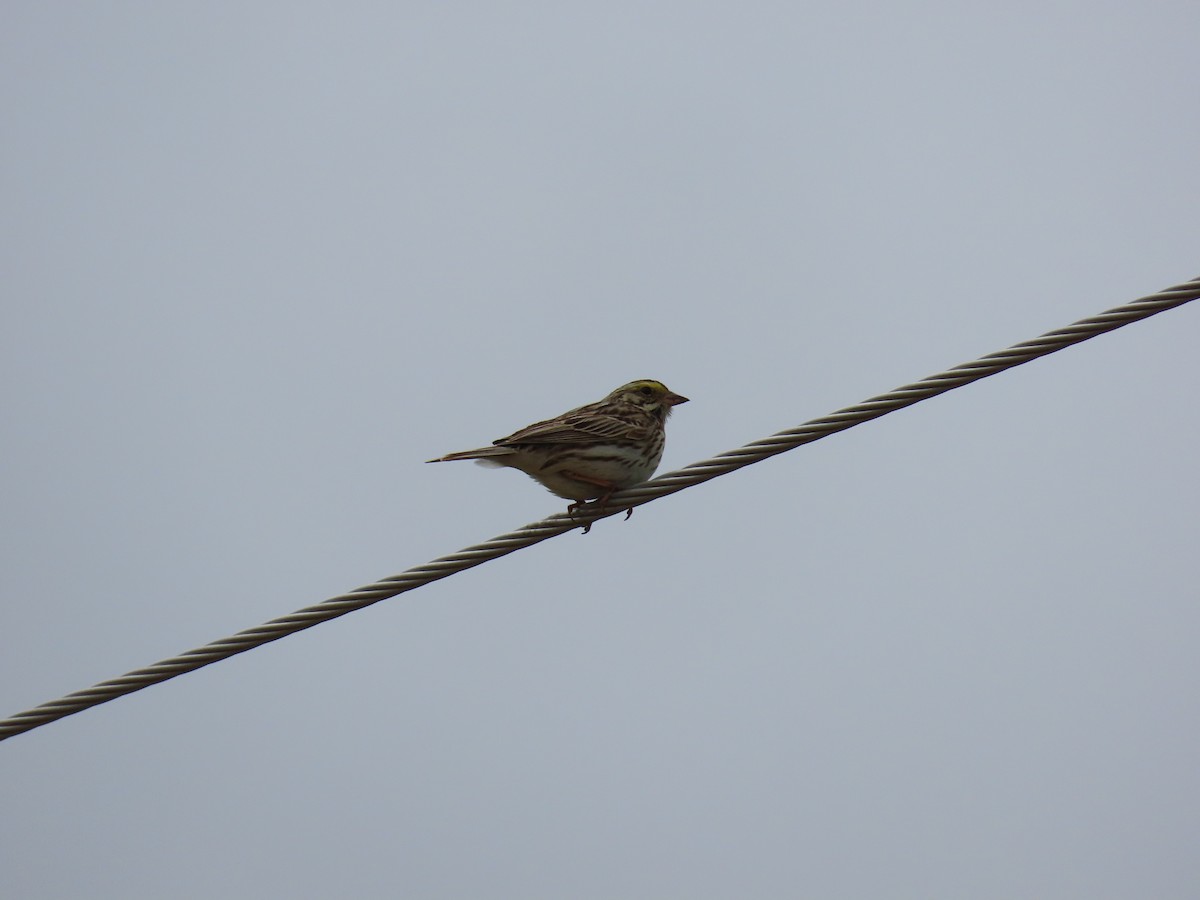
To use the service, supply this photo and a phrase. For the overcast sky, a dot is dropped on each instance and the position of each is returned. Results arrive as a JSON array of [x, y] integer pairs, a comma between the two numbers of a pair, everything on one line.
[[263, 259]]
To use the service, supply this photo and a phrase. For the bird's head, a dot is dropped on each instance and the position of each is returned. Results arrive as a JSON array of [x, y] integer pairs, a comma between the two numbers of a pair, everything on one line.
[[652, 396]]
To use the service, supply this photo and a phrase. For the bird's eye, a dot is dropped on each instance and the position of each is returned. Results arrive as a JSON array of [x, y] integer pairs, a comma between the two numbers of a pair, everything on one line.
[[645, 391]]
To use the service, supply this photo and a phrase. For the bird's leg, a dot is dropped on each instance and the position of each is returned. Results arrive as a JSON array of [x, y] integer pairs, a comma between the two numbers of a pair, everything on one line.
[[579, 504], [609, 487], [609, 490]]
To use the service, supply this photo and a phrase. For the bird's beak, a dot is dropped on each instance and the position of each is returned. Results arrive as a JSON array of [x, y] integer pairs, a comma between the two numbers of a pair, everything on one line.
[[674, 399]]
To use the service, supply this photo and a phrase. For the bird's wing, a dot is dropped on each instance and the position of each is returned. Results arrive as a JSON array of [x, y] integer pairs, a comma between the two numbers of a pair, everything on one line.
[[583, 426]]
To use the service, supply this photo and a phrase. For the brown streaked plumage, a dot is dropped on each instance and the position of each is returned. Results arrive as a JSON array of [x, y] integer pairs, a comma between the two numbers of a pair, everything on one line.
[[591, 451]]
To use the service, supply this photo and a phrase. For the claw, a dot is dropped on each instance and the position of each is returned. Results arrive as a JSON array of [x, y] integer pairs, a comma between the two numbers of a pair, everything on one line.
[[609, 490], [574, 507], [577, 505], [602, 500]]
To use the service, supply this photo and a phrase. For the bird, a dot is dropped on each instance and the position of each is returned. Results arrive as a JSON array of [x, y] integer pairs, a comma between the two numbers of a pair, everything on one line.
[[590, 452]]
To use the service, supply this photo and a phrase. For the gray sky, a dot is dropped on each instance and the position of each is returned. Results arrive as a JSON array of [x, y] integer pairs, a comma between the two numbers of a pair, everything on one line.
[[263, 260]]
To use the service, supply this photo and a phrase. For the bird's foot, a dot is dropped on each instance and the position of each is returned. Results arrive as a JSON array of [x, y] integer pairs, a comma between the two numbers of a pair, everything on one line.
[[602, 501]]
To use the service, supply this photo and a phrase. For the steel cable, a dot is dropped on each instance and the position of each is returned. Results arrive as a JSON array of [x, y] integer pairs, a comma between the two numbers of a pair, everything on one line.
[[671, 482]]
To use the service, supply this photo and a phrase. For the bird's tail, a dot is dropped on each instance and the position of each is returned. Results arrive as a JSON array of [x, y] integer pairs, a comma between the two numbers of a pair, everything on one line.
[[485, 455]]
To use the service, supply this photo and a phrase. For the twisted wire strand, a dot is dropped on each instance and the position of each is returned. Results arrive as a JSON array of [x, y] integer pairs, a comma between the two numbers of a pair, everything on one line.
[[557, 524]]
